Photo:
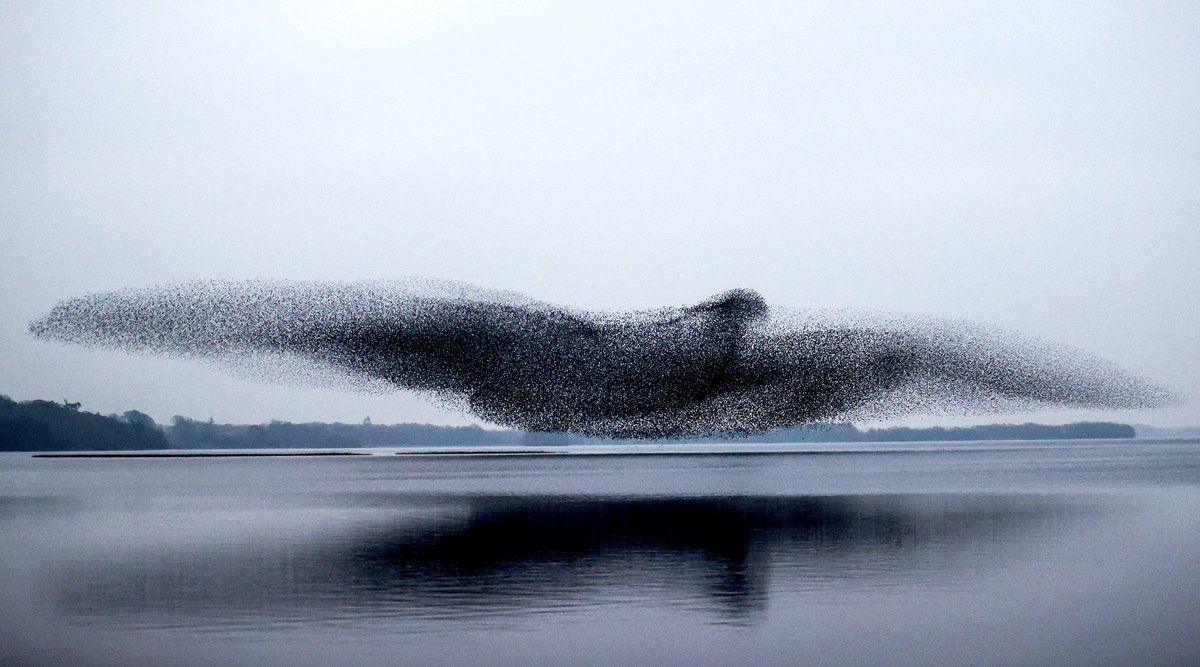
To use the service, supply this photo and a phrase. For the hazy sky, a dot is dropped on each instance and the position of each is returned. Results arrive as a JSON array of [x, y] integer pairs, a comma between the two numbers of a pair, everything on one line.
[[1033, 165]]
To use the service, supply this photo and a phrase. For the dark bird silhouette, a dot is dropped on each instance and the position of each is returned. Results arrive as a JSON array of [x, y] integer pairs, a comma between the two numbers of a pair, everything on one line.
[[727, 365]]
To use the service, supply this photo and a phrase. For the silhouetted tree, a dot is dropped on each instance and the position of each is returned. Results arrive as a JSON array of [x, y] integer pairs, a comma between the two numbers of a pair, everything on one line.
[[47, 426]]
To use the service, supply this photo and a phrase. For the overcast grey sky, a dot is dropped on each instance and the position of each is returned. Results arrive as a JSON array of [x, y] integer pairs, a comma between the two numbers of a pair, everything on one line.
[[1033, 165]]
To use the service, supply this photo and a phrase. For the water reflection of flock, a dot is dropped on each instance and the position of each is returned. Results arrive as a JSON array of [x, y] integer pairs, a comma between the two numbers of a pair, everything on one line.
[[524, 554]]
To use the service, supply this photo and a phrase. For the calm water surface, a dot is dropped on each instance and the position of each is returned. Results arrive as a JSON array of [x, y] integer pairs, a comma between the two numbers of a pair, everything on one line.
[[1077, 553]]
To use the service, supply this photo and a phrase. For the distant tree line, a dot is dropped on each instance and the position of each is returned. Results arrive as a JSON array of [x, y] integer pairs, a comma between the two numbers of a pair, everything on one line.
[[1076, 431], [190, 434], [184, 433], [48, 426], [850, 433]]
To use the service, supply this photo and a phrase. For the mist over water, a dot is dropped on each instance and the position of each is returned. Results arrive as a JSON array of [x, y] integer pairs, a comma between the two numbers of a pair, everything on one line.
[[1008, 553]]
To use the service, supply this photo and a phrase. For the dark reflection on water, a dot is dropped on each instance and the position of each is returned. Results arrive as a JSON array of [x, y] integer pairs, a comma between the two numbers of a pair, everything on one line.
[[476, 558]]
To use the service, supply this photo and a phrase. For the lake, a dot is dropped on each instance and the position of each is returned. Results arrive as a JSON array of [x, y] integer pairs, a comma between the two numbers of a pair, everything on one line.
[[1005, 553]]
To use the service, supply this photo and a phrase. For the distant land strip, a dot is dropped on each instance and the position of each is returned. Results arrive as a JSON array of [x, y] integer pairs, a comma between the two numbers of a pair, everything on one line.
[[47, 426], [186, 455]]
